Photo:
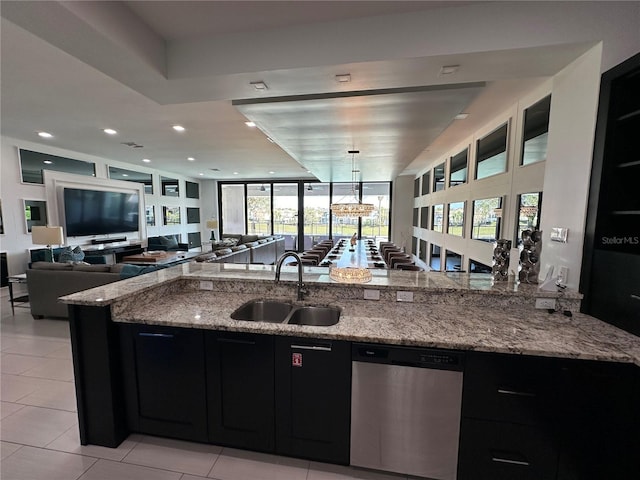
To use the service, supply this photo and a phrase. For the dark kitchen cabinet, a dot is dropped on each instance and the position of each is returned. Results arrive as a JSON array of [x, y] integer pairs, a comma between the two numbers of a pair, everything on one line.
[[548, 418], [313, 398], [164, 381], [610, 277], [240, 390]]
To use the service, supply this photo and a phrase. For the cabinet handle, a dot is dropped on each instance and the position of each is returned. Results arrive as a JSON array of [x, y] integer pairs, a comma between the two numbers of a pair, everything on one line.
[[311, 347], [635, 297], [506, 391], [159, 335], [233, 340], [523, 463]]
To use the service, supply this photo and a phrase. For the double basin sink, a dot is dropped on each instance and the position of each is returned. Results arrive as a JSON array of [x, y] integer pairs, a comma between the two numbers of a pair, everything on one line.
[[275, 311]]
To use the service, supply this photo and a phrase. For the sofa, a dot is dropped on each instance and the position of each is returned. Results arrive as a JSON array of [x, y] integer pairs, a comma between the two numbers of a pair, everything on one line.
[[249, 249], [168, 243], [47, 281]]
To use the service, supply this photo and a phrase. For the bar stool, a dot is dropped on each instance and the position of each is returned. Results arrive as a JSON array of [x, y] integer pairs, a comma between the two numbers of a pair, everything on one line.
[[409, 266], [388, 252], [398, 258]]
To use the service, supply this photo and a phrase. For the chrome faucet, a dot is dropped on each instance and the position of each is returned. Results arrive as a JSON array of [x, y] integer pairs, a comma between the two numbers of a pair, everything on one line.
[[301, 289]]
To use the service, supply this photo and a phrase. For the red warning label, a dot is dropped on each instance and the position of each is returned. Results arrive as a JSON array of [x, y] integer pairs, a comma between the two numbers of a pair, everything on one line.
[[296, 359]]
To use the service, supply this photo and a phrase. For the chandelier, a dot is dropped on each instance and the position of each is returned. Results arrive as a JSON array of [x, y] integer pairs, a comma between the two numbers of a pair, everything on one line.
[[355, 208]]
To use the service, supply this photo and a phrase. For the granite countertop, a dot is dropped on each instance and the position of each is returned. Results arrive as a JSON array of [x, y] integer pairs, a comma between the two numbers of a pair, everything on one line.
[[172, 297], [437, 282]]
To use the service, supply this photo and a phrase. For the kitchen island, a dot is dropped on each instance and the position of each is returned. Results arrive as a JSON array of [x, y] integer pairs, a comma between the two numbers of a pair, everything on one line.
[[115, 328]]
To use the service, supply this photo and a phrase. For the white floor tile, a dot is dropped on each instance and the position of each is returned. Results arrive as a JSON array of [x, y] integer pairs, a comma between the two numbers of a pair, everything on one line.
[[325, 471], [30, 463], [58, 395], [7, 448], [7, 408], [15, 364], [15, 387], [176, 455], [64, 352], [243, 465], [29, 346], [36, 426], [108, 470], [70, 442], [53, 369]]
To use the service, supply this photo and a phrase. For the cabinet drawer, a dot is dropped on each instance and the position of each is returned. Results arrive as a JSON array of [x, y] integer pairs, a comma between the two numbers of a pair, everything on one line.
[[504, 451], [509, 388]]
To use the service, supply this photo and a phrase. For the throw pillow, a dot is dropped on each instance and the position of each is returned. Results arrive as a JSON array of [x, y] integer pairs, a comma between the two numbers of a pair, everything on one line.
[[68, 255]]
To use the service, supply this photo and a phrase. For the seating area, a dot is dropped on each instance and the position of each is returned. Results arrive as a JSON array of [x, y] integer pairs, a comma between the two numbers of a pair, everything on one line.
[[396, 258], [245, 249]]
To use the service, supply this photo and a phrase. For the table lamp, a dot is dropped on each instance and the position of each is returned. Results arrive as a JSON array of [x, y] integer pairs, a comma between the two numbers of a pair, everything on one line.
[[213, 225], [47, 236]]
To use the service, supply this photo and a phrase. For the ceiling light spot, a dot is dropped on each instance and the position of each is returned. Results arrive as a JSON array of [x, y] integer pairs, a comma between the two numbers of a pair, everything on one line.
[[250, 124], [125, 174], [191, 159], [109, 131], [146, 160], [343, 78], [272, 172], [449, 69], [260, 85], [45, 135], [178, 128], [235, 173], [461, 116], [48, 162], [201, 174]]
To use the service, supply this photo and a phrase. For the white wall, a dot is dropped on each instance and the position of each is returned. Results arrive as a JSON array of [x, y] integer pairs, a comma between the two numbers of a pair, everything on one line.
[[16, 241]]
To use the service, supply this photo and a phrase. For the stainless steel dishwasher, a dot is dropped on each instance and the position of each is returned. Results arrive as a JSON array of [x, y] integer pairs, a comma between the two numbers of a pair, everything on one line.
[[405, 410]]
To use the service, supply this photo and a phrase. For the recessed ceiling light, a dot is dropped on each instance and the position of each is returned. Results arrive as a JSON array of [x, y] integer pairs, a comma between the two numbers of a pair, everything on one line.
[[48, 162], [343, 78], [125, 174], [260, 85], [191, 159], [235, 173], [449, 69], [178, 128], [201, 174], [146, 160], [45, 134], [272, 172], [250, 124], [461, 116], [109, 131]]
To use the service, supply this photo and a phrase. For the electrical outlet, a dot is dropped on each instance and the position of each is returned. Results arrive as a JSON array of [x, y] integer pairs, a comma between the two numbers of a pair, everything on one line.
[[546, 303], [371, 294], [206, 285], [404, 296]]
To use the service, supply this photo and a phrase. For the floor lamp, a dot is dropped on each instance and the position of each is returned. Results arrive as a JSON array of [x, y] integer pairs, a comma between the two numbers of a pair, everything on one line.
[[47, 236]]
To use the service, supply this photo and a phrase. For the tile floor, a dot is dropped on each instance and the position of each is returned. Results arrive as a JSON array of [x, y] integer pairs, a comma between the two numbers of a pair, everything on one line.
[[39, 431]]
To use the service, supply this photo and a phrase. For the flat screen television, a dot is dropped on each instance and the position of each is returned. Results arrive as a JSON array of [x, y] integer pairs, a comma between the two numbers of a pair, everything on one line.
[[100, 212]]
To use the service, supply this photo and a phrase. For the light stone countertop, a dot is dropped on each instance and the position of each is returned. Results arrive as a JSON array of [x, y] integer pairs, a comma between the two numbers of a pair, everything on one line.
[[452, 311]]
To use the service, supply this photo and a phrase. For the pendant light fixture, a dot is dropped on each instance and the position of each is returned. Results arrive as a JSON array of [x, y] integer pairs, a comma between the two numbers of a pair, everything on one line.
[[355, 208]]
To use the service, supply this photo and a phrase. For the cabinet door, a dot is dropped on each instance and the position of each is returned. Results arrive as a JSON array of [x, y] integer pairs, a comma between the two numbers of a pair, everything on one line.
[[240, 390], [313, 397], [163, 370]]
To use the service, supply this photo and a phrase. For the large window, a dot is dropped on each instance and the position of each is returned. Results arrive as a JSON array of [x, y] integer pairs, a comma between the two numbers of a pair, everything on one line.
[[416, 216], [232, 203], [434, 258], [437, 217], [438, 178], [536, 132], [343, 226], [453, 261], [377, 224], [486, 221], [317, 206], [423, 251], [529, 205], [458, 168], [258, 209], [455, 226], [285, 211], [491, 157], [424, 217]]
